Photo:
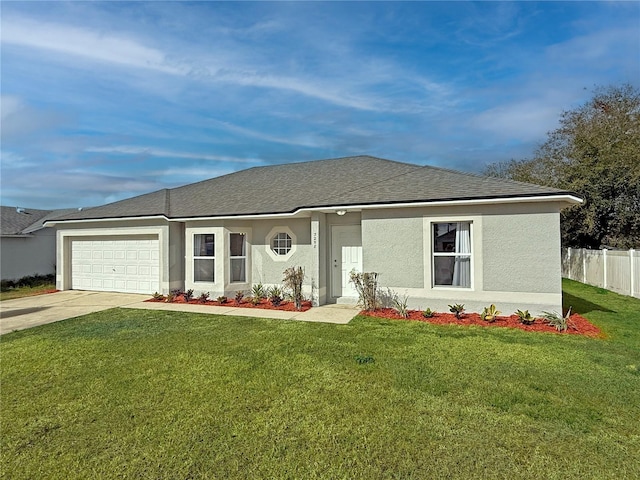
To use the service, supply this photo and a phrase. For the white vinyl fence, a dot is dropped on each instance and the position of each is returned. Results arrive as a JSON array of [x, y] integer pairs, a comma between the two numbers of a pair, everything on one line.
[[615, 270]]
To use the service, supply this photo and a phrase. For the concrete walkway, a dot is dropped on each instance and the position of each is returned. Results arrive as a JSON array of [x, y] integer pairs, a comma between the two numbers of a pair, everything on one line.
[[29, 312]]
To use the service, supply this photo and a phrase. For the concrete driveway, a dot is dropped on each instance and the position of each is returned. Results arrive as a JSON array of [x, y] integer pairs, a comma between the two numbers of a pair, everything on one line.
[[29, 312]]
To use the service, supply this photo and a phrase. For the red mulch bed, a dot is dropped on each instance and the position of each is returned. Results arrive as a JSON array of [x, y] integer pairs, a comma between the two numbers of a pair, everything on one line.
[[264, 304], [578, 325]]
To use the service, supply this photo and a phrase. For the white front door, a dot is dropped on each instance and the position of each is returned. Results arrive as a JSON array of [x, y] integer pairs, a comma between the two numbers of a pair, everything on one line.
[[346, 255]]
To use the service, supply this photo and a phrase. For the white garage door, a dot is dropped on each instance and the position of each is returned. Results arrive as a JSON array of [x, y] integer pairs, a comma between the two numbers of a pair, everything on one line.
[[116, 264]]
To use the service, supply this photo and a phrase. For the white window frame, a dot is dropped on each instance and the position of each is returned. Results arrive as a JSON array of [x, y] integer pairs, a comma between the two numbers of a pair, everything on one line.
[[269, 240], [237, 257], [281, 243], [202, 257], [453, 254]]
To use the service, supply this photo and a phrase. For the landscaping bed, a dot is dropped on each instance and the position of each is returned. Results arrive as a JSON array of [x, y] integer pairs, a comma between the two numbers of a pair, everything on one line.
[[285, 306], [577, 325]]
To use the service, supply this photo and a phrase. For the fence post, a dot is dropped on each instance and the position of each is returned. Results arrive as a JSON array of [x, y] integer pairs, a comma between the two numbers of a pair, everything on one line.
[[584, 265], [631, 269], [604, 268]]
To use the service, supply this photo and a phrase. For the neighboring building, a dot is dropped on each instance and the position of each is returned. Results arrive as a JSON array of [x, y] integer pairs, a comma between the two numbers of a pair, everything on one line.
[[437, 235], [26, 246]]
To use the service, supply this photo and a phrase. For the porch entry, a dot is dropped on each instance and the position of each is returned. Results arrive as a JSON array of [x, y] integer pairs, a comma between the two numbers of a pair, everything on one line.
[[346, 255]]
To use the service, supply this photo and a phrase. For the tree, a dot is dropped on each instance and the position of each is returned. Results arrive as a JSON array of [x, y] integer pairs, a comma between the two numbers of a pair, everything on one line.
[[596, 154]]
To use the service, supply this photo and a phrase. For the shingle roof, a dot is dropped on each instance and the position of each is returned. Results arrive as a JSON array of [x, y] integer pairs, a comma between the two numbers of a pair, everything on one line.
[[361, 180], [23, 221]]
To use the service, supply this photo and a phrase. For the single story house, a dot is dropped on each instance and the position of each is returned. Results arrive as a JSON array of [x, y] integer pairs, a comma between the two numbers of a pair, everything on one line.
[[26, 246], [436, 235]]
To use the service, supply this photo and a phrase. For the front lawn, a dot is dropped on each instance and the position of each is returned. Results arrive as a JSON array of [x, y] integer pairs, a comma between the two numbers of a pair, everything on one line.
[[20, 292], [151, 394]]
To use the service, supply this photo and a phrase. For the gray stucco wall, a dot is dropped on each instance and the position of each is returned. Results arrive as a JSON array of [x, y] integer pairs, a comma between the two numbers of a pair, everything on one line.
[[176, 256], [393, 246], [22, 256], [522, 252], [266, 269]]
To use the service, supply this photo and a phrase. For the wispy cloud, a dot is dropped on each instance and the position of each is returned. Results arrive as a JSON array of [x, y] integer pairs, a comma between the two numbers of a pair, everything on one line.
[[156, 152], [124, 50], [310, 140], [93, 45]]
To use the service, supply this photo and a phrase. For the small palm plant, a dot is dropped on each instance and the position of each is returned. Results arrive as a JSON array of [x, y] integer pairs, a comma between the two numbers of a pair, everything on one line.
[[490, 313], [457, 309], [239, 296], [275, 296], [556, 320], [258, 291], [525, 317], [428, 313], [400, 305]]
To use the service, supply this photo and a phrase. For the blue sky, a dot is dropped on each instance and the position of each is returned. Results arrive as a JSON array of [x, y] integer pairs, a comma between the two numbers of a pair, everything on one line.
[[103, 101]]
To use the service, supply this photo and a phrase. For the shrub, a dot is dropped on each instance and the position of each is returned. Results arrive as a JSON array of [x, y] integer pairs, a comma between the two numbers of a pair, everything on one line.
[[293, 279], [428, 313], [158, 296], [400, 305], [188, 295], [222, 299], [255, 300], [275, 296], [562, 323], [204, 296], [366, 284], [28, 281], [259, 291], [176, 292], [457, 309], [239, 296], [171, 297], [490, 313], [525, 317]]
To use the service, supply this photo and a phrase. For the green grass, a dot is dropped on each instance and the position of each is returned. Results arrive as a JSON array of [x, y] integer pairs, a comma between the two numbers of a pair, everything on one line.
[[21, 292], [146, 394]]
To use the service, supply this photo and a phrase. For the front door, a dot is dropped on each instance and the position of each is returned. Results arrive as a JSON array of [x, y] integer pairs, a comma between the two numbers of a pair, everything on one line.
[[346, 255]]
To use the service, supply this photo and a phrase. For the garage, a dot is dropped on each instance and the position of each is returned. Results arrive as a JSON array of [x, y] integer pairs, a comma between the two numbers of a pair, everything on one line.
[[129, 264]]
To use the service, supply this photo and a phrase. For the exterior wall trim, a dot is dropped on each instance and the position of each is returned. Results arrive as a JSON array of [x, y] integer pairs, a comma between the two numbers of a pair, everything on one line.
[[571, 199]]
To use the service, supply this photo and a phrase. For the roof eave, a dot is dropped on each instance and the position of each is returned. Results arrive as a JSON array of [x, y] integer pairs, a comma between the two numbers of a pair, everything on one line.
[[568, 198], [51, 223]]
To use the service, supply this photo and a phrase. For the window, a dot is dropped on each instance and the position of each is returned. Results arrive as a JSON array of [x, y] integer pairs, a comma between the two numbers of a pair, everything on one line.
[[204, 258], [238, 257], [281, 243], [452, 254]]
